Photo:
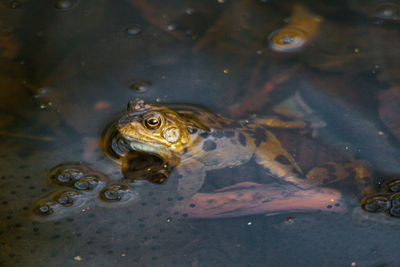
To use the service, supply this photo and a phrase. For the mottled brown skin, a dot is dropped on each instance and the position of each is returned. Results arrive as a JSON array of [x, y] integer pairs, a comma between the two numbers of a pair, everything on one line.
[[201, 141]]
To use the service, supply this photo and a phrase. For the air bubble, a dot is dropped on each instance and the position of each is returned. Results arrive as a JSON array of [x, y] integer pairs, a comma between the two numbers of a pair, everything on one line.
[[133, 30], [65, 175], [44, 208], [115, 193], [287, 40], [140, 86], [64, 4], [67, 198], [393, 186], [87, 183], [387, 11], [376, 204]]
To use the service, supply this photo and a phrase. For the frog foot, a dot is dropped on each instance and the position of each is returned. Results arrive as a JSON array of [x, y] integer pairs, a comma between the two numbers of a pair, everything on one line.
[[387, 202]]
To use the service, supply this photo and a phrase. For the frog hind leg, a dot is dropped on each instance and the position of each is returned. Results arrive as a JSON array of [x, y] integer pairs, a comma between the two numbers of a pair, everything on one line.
[[331, 172], [272, 156], [371, 201]]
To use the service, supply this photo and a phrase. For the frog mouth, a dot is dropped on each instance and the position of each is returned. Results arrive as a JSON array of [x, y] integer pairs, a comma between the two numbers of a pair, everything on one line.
[[149, 147], [141, 146]]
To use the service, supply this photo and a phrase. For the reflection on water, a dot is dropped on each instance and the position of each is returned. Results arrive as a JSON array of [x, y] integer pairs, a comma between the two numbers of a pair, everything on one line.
[[69, 67]]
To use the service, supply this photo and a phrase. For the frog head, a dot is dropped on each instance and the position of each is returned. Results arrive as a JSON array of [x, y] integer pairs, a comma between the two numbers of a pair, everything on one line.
[[156, 129]]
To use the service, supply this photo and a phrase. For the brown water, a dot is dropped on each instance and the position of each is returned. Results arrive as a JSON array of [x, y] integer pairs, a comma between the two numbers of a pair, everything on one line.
[[68, 69]]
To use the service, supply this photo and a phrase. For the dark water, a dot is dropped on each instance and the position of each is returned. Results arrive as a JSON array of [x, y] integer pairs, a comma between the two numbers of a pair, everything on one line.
[[68, 68]]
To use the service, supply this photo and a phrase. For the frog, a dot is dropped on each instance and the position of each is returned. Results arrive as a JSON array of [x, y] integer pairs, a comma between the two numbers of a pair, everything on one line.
[[196, 141]]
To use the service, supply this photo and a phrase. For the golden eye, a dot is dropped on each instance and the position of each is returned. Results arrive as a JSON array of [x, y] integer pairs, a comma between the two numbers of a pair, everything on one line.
[[152, 122]]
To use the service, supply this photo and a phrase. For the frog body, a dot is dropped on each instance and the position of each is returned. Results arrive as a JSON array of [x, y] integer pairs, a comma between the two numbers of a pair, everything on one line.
[[197, 141]]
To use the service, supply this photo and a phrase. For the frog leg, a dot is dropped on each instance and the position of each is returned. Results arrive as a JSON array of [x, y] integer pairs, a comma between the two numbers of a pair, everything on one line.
[[371, 201], [272, 156], [192, 175], [331, 172]]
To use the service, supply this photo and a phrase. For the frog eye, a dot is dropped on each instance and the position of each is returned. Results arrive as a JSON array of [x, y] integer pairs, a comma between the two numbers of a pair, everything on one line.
[[152, 122]]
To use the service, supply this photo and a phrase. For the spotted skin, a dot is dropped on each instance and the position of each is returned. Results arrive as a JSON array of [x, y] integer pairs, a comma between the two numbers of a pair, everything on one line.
[[209, 142]]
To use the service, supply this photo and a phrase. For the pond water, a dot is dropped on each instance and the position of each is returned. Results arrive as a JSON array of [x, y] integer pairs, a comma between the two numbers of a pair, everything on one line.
[[69, 67]]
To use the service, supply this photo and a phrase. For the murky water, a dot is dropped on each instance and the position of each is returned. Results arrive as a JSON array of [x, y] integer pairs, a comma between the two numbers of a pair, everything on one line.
[[69, 68]]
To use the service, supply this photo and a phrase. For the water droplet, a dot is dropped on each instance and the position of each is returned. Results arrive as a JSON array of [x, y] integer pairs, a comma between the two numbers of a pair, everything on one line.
[[287, 40], [64, 4], [140, 86], [133, 29]]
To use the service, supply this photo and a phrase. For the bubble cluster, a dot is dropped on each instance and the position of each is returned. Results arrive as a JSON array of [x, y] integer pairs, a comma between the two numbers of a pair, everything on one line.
[[387, 202], [56, 202], [80, 186], [77, 176]]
